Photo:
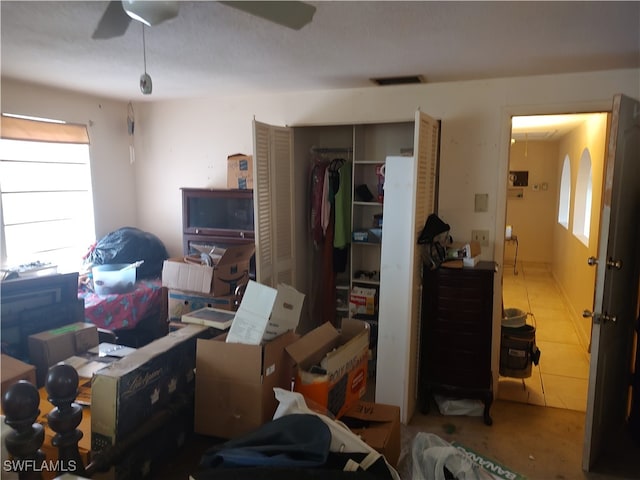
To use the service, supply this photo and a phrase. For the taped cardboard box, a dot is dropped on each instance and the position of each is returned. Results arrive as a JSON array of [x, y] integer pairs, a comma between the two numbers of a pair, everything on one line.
[[129, 391], [378, 425], [235, 381], [53, 346], [332, 366], [14, 370], [240, 171], [230, 270], [182, 302]]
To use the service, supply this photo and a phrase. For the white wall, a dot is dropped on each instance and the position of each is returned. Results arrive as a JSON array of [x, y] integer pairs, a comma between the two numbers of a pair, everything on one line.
[[185, 143]]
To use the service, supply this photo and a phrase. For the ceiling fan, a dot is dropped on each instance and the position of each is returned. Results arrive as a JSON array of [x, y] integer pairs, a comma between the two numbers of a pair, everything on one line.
[[118, 14]]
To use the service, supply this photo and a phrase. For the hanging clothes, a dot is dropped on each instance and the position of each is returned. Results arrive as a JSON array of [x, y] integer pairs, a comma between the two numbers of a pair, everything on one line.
[[342, 203], [342, 219], [318, 171]]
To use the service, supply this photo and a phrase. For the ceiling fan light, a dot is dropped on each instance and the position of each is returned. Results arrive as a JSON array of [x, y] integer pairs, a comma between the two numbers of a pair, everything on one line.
[[149, 12]]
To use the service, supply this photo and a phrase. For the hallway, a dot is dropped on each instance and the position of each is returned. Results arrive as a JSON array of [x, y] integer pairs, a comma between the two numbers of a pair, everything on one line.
[[561, 378]]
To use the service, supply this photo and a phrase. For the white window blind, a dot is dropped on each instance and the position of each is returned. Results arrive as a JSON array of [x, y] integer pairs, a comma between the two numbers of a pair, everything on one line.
[[45, 193]]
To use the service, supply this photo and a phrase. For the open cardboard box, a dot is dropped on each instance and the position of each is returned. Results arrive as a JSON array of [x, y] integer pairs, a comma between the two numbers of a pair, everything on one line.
[[230, 270], [332, 365], [235, 379], [378, 425]]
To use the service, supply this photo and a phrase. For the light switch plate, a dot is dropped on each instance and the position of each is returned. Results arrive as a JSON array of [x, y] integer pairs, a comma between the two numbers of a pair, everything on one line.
[[482, 202]]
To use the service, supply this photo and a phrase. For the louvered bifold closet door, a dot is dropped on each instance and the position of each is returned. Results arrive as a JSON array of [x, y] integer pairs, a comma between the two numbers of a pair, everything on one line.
[[273, 204], [262, 203], [426, 140], [282, 213]]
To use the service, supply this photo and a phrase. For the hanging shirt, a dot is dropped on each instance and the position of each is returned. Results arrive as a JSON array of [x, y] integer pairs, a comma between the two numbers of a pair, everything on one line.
[[342, 207]]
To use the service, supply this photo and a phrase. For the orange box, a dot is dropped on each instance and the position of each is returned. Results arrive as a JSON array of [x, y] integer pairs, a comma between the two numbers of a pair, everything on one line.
[[332, 366]]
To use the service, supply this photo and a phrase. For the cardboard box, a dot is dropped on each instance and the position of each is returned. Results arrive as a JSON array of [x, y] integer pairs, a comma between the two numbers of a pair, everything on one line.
[[14, 370], [53, 346], [237, 371], [240, 171], [231, 269], [362, 301], [265, 313], [181, 302], [342, 358], [379, 427], [235, 381], [129, 391], [149, 457]]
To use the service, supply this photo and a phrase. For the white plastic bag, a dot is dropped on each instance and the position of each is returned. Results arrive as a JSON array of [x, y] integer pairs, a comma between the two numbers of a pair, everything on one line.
[[459, 406], [430, 454]]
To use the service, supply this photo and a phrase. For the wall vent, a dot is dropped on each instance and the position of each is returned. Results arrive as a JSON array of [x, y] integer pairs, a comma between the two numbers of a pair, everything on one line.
[[384, 81]]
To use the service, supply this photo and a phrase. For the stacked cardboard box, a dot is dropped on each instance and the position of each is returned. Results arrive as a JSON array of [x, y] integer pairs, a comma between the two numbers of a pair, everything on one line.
[[192, 286], [53, 346], [240, 171], [128, 392]]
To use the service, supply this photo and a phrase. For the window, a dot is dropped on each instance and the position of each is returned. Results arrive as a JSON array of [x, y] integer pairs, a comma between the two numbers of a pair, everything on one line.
[[565, 193], [582, 210], [45, 193]]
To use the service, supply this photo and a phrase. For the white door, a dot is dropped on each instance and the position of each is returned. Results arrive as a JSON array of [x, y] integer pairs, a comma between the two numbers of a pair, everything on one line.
[[273, 204], [616, 294], [410, 192]]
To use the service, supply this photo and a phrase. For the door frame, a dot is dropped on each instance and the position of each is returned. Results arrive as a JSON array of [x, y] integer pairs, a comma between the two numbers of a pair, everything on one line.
[[501, 196]]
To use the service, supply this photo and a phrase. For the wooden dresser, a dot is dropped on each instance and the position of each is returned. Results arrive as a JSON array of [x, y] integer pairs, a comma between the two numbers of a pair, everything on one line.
[[455, 334]]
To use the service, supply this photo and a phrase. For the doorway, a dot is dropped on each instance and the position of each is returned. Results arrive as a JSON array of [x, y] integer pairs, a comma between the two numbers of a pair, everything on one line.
[[553, 202]]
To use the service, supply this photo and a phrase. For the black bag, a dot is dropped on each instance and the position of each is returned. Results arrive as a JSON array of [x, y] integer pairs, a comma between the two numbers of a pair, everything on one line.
[[128, 245], [291, 441], [433, 228], [434, 239], [292, 447]]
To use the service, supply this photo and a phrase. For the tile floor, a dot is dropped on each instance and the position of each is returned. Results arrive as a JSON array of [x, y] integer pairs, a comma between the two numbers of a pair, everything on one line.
[[561, 377]]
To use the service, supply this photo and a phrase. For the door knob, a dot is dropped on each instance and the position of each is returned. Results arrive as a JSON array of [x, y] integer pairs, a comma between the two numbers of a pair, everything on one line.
[[617, 264], [592, 261], [598, 317]]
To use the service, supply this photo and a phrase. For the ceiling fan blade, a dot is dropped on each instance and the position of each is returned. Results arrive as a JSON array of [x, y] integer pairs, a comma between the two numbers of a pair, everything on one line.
[[114, 22], [290, 14]]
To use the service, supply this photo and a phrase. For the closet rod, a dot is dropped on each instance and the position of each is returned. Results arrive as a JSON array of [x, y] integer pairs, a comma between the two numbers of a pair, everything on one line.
[[331, 150]]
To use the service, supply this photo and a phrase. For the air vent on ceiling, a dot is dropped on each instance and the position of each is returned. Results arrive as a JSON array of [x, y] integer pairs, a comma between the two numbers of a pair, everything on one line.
[[384, 81]]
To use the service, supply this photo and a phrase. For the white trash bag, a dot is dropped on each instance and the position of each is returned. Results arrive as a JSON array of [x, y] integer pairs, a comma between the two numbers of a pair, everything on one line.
[[431, 454]]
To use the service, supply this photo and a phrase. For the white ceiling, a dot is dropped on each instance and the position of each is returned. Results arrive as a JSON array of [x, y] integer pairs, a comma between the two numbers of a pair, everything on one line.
[[211, 48]]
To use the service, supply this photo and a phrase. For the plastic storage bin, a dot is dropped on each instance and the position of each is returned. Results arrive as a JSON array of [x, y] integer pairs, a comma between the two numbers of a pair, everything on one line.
[[114, 278]]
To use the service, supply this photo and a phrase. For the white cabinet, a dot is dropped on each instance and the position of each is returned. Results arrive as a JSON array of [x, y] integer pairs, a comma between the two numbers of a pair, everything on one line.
[[283, 181]]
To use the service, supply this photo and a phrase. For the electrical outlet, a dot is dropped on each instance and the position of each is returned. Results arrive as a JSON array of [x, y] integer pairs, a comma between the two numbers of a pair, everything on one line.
[[480, 236]]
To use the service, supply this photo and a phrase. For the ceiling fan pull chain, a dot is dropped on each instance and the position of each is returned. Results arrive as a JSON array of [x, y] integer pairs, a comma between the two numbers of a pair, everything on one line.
[[145, 80], [144, 50]]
